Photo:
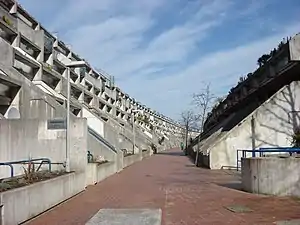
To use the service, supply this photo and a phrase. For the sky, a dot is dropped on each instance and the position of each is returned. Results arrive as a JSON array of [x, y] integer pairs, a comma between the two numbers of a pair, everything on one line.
[[162, 51]]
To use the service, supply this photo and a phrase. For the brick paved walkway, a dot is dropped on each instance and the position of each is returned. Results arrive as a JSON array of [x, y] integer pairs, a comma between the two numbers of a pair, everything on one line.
[[186, 194]]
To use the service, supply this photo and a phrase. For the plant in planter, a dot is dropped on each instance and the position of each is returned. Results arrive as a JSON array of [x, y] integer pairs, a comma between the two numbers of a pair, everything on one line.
[[30, 173], [7, 21], [4, 186], [49, 67], [100, 160], [154, 148]]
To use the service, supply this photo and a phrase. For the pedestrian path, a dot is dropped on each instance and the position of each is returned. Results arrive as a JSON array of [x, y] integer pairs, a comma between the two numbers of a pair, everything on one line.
[[186, 195]]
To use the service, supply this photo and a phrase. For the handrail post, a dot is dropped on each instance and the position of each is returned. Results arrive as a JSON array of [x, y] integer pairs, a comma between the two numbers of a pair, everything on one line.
[[11, 170], [237, 160]]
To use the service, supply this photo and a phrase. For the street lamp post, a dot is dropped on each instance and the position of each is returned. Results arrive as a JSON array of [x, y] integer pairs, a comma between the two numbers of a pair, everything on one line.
[[68, 134], [133, 126], [133, 131], [68, 122]]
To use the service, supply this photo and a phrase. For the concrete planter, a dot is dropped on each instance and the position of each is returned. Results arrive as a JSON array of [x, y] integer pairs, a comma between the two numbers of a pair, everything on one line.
[[271, 176], [129, 160], [96, 173], [21, 204]]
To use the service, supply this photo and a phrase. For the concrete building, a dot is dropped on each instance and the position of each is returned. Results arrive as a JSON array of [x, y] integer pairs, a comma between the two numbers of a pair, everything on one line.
[[35, 67], [54, 105], [261, 111]]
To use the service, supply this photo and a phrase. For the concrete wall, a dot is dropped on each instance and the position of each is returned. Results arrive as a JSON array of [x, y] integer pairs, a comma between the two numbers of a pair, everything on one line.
[[272, 126], [35, 36], [96, 173], [22, 139], [259, 176], [6, 56], [147, 153], [129, 160], [95, 123], [99, 149], [23, 203]]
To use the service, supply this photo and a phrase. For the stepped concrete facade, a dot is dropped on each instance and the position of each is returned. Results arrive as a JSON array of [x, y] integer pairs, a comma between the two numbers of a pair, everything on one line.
[[37, 70], [55, 106], [261, 111]]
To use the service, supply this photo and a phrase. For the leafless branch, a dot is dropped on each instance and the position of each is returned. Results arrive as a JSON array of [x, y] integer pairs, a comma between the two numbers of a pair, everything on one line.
[[203, 102]]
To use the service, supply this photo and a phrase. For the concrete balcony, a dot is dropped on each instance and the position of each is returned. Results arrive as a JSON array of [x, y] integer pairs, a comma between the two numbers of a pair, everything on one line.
[[8, 91], [114, 94], [87, 97], [29, 47], [7, 30], [25, 65], [93, 80], [108, 91]]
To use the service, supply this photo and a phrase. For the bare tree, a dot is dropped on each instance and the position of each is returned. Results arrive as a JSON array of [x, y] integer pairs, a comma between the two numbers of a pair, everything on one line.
[[203, 101], [188, 121]]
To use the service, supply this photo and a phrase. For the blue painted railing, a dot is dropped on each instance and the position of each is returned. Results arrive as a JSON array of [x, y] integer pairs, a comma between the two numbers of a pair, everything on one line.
[[11, 163], [244, 152]]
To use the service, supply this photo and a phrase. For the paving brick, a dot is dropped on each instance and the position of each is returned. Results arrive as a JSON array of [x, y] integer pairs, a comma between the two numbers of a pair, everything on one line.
[[186, 195]]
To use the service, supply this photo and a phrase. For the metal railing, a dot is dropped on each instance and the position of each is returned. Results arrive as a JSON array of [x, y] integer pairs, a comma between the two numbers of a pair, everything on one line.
[[11, 163], [101, 139], [244, 152]]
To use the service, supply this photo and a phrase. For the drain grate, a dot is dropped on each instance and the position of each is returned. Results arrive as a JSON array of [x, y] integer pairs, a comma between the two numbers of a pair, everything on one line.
[[126, 217], [288, 222], [239, 209]]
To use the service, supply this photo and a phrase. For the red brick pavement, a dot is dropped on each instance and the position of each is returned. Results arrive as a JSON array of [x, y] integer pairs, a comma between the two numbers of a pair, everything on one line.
[[186, 194]]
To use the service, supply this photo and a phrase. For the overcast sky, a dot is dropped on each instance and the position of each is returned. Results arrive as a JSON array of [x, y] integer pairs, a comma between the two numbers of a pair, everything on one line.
[[163, 51]]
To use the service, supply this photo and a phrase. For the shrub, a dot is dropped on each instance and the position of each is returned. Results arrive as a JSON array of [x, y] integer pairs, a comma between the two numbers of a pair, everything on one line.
[[7, 21], [30, 174]]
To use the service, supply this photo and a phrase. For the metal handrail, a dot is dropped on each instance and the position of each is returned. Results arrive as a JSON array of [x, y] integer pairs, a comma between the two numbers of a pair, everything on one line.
[[101, 139], [11, 163], [11, 168], [264, 150]]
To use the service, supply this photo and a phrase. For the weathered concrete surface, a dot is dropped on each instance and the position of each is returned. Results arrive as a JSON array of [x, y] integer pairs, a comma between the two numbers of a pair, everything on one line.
[[271, 175], [129, 160], [271, 124], [96, 173], [186, 195], [23, 203], [126, 217], [147, 153], [22, 139]]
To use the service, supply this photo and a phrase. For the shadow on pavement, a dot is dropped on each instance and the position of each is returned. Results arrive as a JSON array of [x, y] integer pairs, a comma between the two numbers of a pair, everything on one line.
[[190, 165], [171, 153], [232, 185]]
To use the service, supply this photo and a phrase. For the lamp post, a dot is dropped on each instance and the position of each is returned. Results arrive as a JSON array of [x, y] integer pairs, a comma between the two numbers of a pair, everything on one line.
[[68, 134], [133, 126], [68, 122]]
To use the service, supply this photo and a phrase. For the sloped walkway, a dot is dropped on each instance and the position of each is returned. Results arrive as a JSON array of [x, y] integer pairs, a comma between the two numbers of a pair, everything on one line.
[[187, 195]]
